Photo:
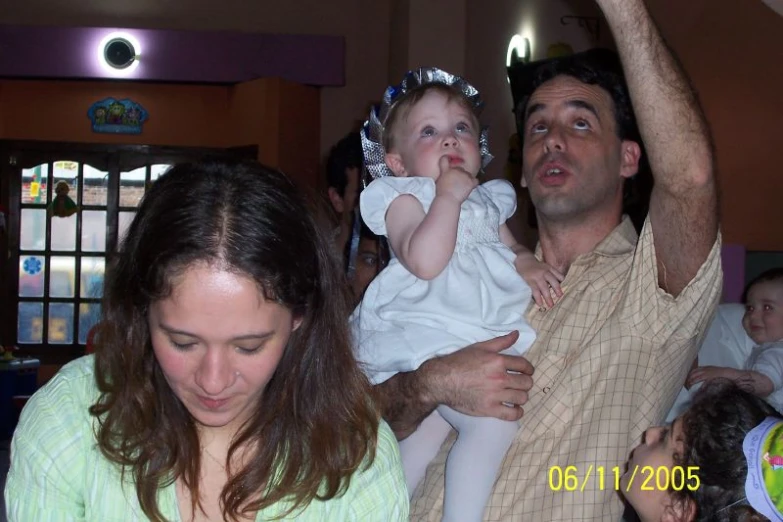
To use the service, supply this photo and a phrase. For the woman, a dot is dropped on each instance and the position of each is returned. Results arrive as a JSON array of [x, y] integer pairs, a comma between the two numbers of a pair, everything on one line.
[[223, 385]]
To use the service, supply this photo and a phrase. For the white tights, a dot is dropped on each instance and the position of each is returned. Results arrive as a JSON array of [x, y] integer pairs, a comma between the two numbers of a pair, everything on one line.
[[473, 462]]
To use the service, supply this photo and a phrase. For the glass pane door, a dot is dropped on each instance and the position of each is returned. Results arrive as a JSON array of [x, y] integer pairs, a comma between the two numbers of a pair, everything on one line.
[[62, 252]]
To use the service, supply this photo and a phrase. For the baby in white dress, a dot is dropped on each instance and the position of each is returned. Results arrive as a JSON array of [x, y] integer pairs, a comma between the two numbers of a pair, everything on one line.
[[454, 278]]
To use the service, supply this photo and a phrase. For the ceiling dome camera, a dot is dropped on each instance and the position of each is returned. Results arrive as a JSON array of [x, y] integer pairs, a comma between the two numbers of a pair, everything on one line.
[[119, 53]]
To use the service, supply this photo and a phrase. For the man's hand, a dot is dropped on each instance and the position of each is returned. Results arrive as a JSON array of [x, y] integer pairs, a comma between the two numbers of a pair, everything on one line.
[[480, 381], [454, 182]]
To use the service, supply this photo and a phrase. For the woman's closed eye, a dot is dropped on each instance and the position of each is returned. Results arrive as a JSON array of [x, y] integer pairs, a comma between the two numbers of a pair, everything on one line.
[[182, 345], [248, 350]]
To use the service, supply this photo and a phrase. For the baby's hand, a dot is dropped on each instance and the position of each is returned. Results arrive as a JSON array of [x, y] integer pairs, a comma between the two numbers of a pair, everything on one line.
[[454, 182], [542, 278], [707, 373]]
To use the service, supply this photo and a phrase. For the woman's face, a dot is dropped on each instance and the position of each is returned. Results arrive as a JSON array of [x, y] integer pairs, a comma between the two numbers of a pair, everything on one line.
[[218, 342]]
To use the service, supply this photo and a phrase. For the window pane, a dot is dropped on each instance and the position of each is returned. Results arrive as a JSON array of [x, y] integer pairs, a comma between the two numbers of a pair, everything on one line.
[[33, 233], [96, 186], [68, 172], [89, 315], [93, 231], [124, 221], [34, 184], [61, 323], [31, 276], [92, 277], [157, 171], [132, 187], [61, 279], [30, 323], [64, 233]]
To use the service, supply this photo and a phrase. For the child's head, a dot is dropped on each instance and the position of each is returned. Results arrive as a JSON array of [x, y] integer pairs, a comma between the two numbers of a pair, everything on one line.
[[428, 123], [708, 439], [763, 320]]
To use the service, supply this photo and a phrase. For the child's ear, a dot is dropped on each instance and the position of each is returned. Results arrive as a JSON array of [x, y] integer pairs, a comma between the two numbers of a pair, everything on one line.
[[394, 162], [680, 510]]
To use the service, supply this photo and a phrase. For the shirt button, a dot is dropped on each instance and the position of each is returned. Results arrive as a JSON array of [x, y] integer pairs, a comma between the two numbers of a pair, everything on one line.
[[547, 389]]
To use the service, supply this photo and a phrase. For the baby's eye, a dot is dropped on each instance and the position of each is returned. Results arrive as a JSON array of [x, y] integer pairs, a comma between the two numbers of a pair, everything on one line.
[[428, 131], [768, 308], [463, 127]]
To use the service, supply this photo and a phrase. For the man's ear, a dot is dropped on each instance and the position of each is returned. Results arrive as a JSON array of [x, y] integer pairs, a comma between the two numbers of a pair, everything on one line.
[[629, 160], [336, 200], [394, 162]]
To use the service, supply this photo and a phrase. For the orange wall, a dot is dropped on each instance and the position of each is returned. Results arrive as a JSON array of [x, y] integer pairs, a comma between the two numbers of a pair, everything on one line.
[[733, 51], [280, 117]]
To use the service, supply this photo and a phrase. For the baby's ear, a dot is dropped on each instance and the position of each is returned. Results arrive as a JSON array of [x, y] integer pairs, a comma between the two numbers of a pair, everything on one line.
[[394, 162]]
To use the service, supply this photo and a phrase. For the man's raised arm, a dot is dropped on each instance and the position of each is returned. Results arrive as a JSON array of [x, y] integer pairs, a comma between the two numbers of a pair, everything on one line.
[[683, 205]]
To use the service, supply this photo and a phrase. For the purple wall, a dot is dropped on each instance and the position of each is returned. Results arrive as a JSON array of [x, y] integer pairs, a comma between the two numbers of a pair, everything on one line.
[[173, 56]]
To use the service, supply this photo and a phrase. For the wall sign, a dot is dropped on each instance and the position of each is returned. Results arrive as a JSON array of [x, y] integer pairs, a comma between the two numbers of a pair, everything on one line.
[[117, 116]]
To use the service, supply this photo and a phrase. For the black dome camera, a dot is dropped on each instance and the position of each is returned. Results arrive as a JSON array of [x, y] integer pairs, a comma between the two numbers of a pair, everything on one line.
[[119, 53]]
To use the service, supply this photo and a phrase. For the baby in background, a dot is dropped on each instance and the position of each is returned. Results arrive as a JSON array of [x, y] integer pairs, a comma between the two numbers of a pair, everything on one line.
[[454, 277], [763, 322]]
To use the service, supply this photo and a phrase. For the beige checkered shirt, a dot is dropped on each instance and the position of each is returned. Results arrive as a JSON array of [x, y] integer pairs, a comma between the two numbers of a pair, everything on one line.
[[610, 358]]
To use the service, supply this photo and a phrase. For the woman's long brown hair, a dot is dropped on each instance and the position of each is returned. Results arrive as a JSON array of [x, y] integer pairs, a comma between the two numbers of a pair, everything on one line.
[[315, 424]]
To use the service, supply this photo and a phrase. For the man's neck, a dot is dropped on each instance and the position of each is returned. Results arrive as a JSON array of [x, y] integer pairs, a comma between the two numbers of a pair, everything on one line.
[[562, 242]]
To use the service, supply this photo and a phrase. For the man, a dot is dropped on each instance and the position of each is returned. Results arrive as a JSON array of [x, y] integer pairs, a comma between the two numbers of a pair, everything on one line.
[[372, 255], [343, 178], [365, 254], [611, 355]]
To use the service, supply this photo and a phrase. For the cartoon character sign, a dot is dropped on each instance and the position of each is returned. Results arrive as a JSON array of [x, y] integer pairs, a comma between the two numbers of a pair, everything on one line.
[[117, 116]]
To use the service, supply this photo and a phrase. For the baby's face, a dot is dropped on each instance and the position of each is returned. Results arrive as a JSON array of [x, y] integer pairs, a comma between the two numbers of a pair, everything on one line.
[[763, 318], [435, 128]]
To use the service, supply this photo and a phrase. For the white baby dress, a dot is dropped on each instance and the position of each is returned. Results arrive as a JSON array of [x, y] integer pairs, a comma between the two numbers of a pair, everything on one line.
[[403, 321]]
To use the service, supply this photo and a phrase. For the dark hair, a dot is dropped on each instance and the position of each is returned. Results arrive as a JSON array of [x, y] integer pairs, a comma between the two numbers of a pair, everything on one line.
[[600, 67], [345, 154], [714, 428], [403, 106], [314, 424], [771, 275]]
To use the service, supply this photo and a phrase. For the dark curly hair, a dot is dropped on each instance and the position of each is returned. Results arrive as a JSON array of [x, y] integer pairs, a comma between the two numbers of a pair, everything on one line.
[[315, 423], [714, 428]]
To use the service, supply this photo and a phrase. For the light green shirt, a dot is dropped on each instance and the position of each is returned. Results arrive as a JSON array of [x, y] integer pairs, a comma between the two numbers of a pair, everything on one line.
[[59, 474]]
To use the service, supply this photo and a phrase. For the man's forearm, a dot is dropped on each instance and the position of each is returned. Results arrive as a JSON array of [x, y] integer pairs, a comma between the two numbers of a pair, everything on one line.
[[403, 402], [671, 122]]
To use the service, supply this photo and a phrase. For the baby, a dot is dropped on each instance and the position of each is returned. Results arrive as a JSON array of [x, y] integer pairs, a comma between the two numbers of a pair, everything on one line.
[[454, 277], [763, 321]]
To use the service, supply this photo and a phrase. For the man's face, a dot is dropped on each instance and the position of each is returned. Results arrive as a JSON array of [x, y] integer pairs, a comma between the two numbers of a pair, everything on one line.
[[369, 262], [573, 162]]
